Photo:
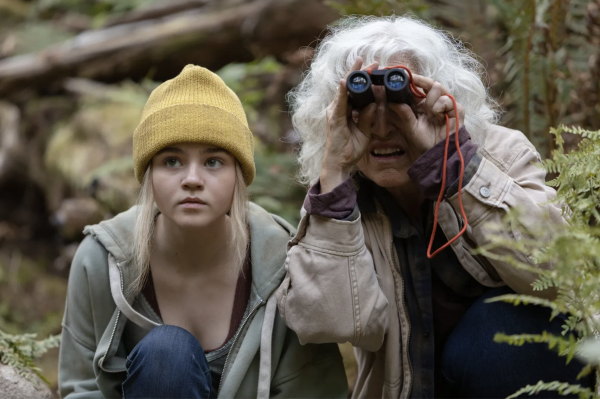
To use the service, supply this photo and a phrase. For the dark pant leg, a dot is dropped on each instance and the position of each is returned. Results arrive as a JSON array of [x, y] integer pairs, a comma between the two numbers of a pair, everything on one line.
[[167, 363], [477, 367]]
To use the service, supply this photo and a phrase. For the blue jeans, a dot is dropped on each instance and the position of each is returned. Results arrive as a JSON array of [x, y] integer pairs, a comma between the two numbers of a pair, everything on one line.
[[167, 363], [476, 367]]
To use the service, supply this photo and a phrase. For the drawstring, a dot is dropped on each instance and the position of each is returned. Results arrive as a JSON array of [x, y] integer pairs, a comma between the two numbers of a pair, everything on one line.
[[417, 93], [266, 336], [116, 288]]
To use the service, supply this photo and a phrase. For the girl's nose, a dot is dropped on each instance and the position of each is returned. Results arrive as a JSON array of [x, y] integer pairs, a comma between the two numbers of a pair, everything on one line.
[[193, 177]]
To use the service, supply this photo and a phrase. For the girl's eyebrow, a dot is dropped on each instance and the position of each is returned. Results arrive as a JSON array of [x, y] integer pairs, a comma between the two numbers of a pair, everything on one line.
[[170, 149], [212, 150], [177, 150]]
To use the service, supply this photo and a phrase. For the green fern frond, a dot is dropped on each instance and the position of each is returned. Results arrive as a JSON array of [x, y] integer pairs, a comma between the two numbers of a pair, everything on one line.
[[543, 283], [587, 370], [517, 299], [20, 351], [565, 347], [562, 388]]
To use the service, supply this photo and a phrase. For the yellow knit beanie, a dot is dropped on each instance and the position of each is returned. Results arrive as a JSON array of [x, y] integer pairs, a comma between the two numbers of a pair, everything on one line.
[[194, 107]]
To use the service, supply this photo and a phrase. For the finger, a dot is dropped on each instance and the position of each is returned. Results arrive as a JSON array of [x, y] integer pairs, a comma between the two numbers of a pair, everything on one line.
[[445, 105], [340, 103], [365, 119], [405, 113], [442, 106], [374, 65], [355, 114], [461, 114], [427, 84], [434, 96], [355, 67]]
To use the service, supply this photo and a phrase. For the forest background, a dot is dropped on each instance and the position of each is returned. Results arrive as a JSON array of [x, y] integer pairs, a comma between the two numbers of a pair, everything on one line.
[[75, 75]]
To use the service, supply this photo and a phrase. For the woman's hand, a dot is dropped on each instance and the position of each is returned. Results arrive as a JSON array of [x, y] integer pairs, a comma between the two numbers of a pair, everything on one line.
[[347, 140], [428, 127]]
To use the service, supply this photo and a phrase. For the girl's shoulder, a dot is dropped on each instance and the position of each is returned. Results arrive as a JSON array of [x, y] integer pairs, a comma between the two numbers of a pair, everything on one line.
[[115, 234], [269, 223], [112, 236]]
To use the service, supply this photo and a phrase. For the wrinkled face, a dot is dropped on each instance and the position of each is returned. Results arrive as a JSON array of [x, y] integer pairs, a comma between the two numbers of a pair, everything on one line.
[[389, 154], [193, 184]]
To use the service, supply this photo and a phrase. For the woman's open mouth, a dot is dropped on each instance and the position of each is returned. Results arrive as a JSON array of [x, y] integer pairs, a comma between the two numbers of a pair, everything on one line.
[[389, 152]]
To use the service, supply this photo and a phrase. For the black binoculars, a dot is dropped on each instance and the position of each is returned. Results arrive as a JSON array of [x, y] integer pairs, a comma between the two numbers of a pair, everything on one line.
[[396, 82]]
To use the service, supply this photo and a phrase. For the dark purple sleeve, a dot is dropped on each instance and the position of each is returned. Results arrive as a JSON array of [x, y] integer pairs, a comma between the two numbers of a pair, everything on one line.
[[426, 172], [337, 204]]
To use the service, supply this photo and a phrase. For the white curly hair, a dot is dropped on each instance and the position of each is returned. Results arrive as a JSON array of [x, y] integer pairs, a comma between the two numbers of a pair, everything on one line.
[[388, 40]]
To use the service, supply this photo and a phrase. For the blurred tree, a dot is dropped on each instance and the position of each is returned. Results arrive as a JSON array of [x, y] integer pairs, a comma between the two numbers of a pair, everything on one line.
[[547, 52]]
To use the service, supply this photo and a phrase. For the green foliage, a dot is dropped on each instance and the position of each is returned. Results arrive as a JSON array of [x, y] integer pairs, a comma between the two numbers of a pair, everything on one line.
[[573, 251], [273, 188], [248, 82], [566, 347], [97, 9], [20, 351], [31, 300], [578, 181], [562, 388], [35, 36], [546, 51]]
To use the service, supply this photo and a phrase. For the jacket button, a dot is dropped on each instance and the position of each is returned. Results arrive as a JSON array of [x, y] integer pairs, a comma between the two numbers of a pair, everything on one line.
[[485, 192]]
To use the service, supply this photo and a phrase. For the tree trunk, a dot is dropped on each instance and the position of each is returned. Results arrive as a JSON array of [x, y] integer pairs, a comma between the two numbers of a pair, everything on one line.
[[210, 36]]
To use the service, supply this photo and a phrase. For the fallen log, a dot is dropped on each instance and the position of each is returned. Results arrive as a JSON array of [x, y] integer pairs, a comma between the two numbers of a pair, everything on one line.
[[160, 47]]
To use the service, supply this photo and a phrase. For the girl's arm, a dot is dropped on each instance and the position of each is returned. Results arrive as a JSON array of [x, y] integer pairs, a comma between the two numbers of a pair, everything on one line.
[[76, 377]]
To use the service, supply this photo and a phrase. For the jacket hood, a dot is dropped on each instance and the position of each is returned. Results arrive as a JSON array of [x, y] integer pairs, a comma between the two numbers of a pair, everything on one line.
[[269, 235]]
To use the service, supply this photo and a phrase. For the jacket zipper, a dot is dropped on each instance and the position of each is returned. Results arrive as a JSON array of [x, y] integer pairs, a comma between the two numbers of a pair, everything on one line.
[[237, 334], [397, 264], [112, 335]]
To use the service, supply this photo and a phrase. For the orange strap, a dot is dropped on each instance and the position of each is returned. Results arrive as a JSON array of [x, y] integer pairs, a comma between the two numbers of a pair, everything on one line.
[[417, 93]]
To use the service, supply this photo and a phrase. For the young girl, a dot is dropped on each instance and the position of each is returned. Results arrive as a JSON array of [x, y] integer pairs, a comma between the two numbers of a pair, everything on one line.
[[172, 298]]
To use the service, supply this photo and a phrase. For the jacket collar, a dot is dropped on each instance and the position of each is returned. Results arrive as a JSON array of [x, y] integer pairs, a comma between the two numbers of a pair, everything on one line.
[[371, 198], [269, 236]]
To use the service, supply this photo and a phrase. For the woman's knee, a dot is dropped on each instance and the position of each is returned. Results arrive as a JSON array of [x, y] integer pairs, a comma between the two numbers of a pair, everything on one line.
[[473, 361]]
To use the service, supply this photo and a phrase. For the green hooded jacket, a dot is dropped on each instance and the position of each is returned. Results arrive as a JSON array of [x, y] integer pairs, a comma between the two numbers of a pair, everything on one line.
[[101, 325]]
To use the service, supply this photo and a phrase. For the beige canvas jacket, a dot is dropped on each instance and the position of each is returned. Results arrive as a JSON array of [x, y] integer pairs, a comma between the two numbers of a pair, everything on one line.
[[343, 280]]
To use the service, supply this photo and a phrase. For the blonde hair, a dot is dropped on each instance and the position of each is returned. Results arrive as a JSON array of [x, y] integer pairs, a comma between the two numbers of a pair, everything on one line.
[[145, 224]]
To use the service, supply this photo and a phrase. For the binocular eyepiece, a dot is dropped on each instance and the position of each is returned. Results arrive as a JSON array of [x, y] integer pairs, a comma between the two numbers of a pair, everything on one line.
[[396, 82]]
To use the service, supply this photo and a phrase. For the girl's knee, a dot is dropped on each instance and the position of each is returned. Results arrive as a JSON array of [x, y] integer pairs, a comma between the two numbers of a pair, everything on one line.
[[168, 345]]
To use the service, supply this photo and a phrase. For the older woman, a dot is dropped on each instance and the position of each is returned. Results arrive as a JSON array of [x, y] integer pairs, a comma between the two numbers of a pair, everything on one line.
[[358, 268]]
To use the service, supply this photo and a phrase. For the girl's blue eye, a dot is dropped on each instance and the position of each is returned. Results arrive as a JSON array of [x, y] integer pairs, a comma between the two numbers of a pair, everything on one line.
[[214, 163], [172, 162]]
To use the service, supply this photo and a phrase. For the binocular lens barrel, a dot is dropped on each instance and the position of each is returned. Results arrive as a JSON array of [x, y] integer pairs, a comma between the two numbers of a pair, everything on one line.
[[359, 87], [358, 83], [395, 81]]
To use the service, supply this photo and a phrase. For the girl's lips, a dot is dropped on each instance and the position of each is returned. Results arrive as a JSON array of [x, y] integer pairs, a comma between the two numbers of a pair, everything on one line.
[[192, 205]]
